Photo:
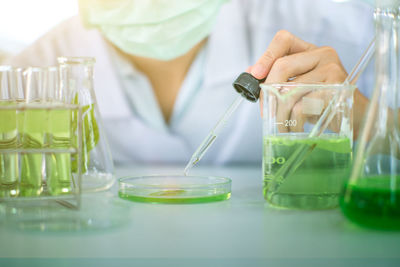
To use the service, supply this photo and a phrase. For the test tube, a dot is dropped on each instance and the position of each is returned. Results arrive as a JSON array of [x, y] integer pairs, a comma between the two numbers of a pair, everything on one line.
[[31, 127], [57, 136], [8, 133]]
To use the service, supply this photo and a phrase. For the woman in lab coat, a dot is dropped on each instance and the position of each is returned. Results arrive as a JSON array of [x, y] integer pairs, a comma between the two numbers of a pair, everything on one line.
[[164, 68]]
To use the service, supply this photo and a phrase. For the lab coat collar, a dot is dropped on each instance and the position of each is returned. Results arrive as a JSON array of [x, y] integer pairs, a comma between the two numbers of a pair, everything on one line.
[[141, 90], [137, 90]]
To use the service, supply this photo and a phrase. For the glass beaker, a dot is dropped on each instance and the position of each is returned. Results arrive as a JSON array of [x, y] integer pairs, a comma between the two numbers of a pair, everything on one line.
[[96, 164], [290, 111], [372, 195]]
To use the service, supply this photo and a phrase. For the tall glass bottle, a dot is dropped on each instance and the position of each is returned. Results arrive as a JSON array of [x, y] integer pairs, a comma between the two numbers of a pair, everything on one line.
[[372, 195]]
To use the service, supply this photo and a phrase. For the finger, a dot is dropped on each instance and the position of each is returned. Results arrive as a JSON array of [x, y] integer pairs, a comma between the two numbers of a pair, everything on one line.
[[293, 65], [328, 73], [308, 108], [261, 103], [328, 69], [288, 96], [297, 118], [326, 95], [298, 94], [315, 76], [300, 63], [311, 107], [284, 43]]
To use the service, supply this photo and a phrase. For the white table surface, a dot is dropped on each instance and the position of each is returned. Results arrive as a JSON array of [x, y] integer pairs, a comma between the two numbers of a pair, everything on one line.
[[242, 231]]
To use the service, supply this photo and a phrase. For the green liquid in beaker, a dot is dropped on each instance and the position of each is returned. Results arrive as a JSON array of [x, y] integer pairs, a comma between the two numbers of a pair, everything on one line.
[[373, 202], [317, 182]]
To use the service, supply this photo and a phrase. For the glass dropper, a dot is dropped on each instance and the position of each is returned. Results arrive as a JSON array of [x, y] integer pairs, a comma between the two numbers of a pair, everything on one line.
[[248, 87], [209, 140]]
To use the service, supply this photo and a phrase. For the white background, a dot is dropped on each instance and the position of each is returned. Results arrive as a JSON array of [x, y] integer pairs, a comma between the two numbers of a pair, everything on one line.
[[23, 21]]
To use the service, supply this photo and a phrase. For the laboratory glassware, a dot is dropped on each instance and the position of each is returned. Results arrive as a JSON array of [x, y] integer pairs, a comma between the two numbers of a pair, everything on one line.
[[249, 88], [175, 189], [32, 128], [9, 170], [289, 112], [210, 138], [97, 165], [301, 152], [97, 212], [372, 195], [58, 135], [45, 127]]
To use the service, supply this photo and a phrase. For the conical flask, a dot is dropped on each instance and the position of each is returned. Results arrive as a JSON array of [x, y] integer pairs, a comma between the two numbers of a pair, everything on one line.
[[76, 73], [372, 195]]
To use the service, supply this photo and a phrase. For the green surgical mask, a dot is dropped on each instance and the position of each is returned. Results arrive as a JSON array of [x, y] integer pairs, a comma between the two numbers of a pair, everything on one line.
[[160, 29]]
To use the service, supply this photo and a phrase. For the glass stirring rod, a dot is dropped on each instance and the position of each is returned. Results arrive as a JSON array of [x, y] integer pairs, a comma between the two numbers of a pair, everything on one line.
[[209, 140]]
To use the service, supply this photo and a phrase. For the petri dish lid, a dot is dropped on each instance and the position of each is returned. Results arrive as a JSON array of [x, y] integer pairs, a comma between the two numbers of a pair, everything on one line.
[[175, 189]]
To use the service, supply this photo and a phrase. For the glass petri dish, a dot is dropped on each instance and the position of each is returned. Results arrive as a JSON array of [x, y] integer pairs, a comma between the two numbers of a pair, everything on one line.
[[175, 189]]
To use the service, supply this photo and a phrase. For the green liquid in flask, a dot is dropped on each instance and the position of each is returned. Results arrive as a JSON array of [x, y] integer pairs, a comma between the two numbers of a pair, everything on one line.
[[373, 202], [317, 182]]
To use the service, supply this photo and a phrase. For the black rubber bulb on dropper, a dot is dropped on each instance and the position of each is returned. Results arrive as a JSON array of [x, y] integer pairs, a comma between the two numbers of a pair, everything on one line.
[[248, 86]]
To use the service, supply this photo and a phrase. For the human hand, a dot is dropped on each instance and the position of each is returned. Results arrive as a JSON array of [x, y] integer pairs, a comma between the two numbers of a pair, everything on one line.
[[289, 58]]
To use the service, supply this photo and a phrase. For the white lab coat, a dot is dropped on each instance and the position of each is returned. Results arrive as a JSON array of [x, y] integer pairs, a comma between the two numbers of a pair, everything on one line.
[[242, 32]]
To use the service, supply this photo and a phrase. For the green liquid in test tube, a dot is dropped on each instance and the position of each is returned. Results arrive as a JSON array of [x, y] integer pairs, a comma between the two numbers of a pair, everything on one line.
[[31, 126], [8, 161], [58, 165]]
